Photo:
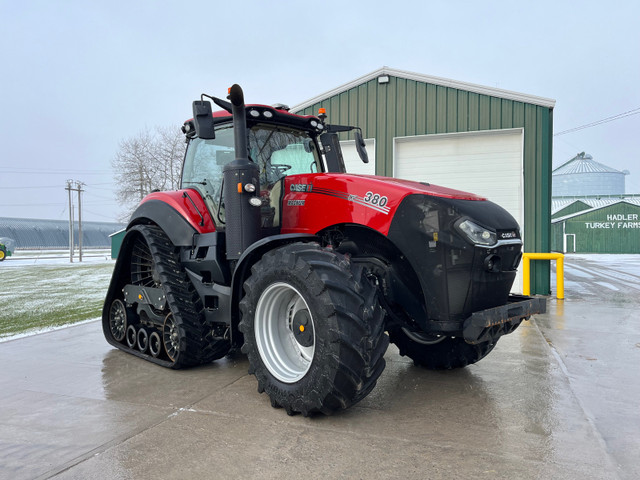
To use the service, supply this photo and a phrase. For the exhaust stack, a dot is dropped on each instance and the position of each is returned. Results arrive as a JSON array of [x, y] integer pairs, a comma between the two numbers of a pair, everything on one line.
[[241, 184]]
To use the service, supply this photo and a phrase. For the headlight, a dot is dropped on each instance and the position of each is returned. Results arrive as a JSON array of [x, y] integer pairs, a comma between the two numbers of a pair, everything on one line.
[[477, 234]]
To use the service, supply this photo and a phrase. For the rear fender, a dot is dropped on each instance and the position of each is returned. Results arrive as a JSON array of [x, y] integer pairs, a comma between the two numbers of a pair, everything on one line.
[[178, 228]]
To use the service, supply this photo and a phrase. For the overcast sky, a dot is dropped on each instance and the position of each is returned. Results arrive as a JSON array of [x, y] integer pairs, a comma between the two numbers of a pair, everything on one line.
[[77, 77]]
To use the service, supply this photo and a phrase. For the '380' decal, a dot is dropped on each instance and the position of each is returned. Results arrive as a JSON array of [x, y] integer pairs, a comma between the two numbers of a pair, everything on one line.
[[376, 199]]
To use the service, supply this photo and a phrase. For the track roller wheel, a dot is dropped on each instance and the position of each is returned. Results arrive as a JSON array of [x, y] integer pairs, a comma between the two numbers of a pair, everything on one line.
[[132, 336], [155, 344], [118, 320], [143, 340]]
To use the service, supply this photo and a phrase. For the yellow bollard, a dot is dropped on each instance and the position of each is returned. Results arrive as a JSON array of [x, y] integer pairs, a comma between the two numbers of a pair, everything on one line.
[[526, 265]]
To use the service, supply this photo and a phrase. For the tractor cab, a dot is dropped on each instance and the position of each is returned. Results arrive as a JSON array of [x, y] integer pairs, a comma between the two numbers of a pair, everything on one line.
[[277, 150], [279, 143]]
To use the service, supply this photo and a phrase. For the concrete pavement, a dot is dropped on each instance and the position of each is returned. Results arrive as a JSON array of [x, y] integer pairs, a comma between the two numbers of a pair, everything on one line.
[[558, 399]]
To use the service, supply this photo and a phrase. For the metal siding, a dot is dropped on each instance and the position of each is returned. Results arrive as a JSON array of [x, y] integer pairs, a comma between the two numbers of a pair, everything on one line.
[[484, 113], [463, 111], [544, 135], [557, 242], [422, 112], [431, 111], [518, 114], [411, 107], [343, 109], [452, 110], [401, 104], [390, 108], [372, 119], [474, 111], [353, 110], [621, 236], [495, 107], [441, 110], [506, 114]]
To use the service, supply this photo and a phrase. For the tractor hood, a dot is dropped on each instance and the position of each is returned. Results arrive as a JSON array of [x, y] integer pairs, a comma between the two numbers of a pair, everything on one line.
[[312, 202], [424, 188]]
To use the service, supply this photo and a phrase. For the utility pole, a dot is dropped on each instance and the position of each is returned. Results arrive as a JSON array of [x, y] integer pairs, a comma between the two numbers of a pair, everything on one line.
[[68, 189], [79, 190]]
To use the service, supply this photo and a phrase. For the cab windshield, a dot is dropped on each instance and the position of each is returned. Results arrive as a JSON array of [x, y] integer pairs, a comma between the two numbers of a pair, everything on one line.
[[278, 152]]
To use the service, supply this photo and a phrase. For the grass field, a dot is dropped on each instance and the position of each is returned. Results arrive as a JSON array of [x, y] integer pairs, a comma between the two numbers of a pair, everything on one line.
[[46, 294]]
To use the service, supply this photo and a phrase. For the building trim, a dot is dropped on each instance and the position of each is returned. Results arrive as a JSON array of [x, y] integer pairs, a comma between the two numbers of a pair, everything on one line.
[[445, 82]]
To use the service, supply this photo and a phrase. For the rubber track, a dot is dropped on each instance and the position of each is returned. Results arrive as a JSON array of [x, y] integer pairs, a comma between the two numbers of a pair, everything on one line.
[[185, 304], [197, 345]]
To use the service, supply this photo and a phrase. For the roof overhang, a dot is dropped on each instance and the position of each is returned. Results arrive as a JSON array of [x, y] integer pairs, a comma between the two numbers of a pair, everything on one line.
[[445, 82]]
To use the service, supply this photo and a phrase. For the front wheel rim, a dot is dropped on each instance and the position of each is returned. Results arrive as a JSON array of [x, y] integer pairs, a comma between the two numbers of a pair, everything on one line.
[[286, 347]]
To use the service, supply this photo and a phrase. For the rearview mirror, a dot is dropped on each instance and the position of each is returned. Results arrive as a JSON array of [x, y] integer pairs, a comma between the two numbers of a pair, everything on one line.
[[203, 119], [360, 146]]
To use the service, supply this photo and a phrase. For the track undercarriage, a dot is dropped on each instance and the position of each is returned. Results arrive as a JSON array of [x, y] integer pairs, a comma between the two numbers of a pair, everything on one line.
[[158, 315]]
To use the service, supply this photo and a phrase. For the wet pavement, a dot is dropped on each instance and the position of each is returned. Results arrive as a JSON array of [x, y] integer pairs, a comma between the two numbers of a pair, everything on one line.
[[559, 398]]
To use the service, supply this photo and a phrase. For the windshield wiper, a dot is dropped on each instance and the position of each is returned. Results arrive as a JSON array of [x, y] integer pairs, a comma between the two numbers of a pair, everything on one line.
[[204, 182]]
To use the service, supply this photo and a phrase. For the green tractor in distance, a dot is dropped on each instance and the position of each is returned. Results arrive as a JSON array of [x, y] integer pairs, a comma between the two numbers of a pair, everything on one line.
[[7, 246]]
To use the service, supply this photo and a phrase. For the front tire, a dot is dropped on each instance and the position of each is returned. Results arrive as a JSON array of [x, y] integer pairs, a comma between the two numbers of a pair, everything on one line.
[[313, 329], [451, 352]]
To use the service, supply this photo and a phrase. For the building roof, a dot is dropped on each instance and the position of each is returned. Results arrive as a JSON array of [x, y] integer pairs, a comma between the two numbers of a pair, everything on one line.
[[583, 163], [33, 233], [445, 82], [596, 202]]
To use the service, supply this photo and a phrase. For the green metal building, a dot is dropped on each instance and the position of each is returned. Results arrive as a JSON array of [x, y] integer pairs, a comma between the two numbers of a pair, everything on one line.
[[489, 141], [596, 224]]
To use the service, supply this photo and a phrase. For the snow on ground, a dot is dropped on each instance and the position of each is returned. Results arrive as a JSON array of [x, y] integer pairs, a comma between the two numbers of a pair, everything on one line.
[[40, 290]]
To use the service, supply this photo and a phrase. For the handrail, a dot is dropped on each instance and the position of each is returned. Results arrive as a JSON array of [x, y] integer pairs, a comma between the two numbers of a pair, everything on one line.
[[526, 261]]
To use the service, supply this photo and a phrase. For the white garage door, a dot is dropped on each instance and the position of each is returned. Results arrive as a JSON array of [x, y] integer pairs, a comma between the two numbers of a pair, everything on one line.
[[487, 163], [352, 161]]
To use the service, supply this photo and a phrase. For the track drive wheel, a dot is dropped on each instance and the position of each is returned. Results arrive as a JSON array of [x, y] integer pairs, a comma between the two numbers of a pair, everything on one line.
[[313, 329], [3, 254], [451, 352], [155, 262]]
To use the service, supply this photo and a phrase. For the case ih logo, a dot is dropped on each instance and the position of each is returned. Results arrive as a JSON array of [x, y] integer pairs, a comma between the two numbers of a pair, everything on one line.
[[505, 235], [301, 187]]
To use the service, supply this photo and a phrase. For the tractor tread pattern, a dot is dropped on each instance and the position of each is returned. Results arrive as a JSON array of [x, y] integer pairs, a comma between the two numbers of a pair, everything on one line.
[[356, 329], [199, 347]]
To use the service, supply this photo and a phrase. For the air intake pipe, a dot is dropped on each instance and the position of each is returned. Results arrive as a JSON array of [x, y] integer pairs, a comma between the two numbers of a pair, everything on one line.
[[241, 185]]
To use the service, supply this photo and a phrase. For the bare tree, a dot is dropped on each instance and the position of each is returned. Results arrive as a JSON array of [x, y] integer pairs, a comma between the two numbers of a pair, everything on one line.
[[170, 148], [146, 162]]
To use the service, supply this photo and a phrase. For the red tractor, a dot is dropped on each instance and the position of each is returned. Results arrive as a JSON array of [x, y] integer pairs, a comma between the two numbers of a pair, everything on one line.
[[271, 247]]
